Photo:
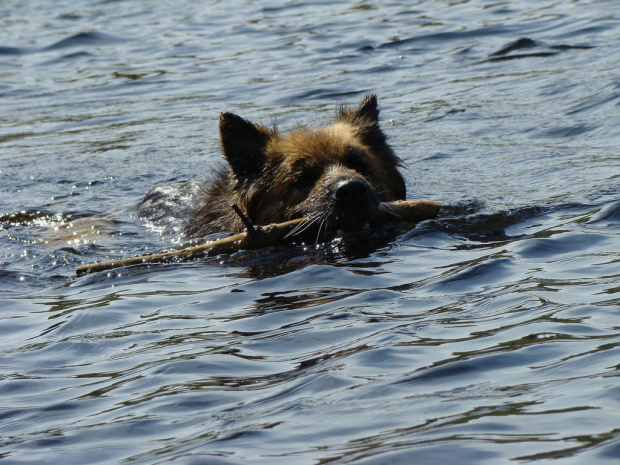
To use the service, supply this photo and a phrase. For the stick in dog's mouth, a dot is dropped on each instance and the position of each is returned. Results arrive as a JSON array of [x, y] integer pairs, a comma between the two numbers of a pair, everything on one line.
[[402, 211]]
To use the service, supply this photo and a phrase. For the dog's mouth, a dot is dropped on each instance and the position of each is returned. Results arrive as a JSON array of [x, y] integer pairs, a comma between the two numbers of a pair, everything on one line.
[[346, 206], [354, 219], [342, 232], [322, 226]]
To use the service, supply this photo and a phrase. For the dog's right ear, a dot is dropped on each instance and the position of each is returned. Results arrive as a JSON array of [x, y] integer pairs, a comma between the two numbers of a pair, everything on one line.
[[243, 144]]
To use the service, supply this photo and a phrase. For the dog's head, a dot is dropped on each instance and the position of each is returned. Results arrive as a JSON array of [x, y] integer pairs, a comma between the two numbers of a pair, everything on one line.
[[335, 174]]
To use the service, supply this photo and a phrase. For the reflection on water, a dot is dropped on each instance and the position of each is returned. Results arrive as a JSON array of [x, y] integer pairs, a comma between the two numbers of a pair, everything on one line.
[[487, 335]]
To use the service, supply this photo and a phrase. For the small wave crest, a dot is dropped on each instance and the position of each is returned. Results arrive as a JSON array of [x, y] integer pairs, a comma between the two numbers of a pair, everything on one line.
[[85, 38]]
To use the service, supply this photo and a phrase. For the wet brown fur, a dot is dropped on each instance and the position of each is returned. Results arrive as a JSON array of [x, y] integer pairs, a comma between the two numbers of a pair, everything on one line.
[[335, 175]]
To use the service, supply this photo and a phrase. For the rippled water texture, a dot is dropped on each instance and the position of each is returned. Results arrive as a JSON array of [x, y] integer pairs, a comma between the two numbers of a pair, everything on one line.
[[490, 335]]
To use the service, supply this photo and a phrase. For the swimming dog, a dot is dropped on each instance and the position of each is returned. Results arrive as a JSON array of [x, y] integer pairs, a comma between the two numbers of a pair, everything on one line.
[[334, 175]]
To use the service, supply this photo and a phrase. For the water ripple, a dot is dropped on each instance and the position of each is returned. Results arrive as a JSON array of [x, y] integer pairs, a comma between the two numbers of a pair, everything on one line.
[[88, 39]]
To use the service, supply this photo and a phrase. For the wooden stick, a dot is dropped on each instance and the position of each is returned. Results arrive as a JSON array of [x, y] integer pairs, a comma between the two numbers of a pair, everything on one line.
[[261, 237], [247, 222], [406, 211]]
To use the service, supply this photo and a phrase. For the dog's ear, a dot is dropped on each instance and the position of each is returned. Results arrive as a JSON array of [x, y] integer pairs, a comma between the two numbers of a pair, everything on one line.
[[365, 118], [243, 144], [368, 110]]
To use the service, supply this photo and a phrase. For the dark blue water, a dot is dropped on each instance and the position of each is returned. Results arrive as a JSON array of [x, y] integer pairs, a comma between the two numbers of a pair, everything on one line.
[[490, 335]]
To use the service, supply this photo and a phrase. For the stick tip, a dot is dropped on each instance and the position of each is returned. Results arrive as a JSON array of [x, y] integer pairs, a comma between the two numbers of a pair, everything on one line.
[[244, 218]]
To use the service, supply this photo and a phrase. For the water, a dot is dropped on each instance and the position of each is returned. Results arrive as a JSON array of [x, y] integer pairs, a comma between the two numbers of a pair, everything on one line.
[[489, 335]]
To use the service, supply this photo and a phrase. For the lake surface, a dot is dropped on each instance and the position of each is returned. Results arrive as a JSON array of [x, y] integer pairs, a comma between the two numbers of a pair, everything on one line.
[[489, 335]]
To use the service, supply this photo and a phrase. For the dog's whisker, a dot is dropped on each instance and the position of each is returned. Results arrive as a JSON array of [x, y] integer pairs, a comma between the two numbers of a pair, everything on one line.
[[390, 211], [318, 234], [299, 229], [323, 218], [303, 226]]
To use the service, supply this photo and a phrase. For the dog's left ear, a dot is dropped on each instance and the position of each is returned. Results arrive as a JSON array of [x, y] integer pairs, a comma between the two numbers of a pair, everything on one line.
[[366, 119], [368, 109], [243, 144]]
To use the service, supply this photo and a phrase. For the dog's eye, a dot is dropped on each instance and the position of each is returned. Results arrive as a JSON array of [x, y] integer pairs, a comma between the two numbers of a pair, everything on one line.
[[354, 160], [306, 178]]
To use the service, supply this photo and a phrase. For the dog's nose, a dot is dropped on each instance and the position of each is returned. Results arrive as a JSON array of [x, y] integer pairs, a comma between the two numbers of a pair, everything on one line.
[[350, 191]]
